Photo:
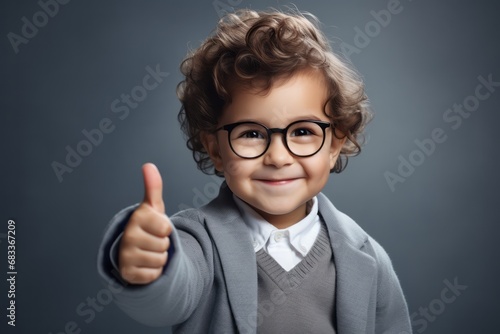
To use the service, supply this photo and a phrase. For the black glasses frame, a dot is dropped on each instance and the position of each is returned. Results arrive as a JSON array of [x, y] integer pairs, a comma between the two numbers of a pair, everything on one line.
[[229, 128]]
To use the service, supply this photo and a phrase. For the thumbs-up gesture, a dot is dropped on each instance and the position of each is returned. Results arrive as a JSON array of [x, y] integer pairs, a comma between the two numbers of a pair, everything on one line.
[[143, 248]]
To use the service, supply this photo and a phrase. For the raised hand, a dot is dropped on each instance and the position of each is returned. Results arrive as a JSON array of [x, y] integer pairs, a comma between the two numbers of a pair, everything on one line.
[[143, 248]]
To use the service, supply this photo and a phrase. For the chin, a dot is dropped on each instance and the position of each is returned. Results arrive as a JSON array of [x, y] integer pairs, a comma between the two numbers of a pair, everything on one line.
[[275, 210]]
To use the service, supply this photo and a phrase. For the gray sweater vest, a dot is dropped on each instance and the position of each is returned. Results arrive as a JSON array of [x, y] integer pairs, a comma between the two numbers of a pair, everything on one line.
[[301, 300]]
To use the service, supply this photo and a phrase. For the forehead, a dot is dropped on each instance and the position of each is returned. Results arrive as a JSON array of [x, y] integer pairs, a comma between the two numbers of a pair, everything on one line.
[[302, 96]]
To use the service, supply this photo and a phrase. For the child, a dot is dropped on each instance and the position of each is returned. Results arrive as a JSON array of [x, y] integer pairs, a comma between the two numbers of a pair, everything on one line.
[[268, 106]]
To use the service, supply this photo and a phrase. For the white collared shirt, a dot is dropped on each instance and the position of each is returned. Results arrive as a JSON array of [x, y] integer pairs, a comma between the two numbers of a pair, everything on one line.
[[287, 246]]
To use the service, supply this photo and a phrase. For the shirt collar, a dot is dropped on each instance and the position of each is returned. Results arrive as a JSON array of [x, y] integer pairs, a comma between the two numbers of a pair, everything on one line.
[[261, 230]]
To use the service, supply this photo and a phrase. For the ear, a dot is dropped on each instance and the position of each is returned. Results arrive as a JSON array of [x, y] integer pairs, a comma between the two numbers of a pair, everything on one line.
[[211, 145], [336, 146]]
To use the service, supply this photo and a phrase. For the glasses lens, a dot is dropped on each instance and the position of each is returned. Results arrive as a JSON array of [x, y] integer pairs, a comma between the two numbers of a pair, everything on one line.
[[305, 138], [248, 140]]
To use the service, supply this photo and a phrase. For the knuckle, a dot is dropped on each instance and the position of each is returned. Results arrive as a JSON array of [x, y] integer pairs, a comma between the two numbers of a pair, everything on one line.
[[160, 260], [167, 227], [154, 260], [128, 274], [166, 243], [152, 275], [164, 259]]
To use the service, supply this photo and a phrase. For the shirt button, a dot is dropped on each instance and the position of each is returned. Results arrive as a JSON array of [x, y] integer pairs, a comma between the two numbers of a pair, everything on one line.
[[302, 249], [278, 236]]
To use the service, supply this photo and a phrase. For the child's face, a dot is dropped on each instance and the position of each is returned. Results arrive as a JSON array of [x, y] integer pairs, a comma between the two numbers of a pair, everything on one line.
[[277, 184]]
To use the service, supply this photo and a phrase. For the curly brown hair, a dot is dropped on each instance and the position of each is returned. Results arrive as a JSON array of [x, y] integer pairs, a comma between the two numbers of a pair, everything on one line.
[[249, 49]]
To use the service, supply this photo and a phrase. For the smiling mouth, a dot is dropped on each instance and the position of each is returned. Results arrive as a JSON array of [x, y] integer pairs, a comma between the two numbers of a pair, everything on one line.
[[276, 182]]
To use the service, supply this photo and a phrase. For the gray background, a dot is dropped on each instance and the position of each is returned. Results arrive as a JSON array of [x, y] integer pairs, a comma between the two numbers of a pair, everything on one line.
[[440, 224]]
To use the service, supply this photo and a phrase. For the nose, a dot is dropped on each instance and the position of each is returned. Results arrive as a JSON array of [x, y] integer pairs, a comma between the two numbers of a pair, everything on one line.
[[277, 154]]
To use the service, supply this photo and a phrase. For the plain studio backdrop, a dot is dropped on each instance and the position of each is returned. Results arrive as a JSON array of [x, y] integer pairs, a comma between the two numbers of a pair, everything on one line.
[[425, 185]]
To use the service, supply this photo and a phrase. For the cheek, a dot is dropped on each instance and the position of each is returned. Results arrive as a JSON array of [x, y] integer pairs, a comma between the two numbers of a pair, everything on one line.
[[235, 167], [319, 167], [232, 168], [225, 158], [237, 173]]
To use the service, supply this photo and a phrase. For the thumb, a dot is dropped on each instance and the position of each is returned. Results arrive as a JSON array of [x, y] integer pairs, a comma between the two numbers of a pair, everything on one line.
[[153, 187]]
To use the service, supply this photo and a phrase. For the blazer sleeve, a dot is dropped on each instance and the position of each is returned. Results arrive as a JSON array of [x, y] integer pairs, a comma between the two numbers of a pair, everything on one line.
[[391, 311], [187, 276]]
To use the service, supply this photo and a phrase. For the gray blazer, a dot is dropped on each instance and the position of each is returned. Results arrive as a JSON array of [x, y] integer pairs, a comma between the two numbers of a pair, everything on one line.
[[209, 284]]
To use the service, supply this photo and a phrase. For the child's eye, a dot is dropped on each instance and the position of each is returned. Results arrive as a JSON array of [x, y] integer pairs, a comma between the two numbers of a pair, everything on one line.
[[252, 134], [301, 132]]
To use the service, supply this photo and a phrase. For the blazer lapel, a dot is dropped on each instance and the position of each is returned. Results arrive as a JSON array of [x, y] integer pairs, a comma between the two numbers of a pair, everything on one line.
[[237, 256], [356, 271]]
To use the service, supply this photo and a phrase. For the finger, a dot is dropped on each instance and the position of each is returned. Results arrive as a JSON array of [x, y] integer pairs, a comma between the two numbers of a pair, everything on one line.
[[147, 219], [153, 187], [143, 259], [146, 241], [135, 275]]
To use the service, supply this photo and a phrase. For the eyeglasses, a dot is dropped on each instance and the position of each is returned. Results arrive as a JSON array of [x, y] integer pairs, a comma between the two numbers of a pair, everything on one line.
[[250, 140]]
